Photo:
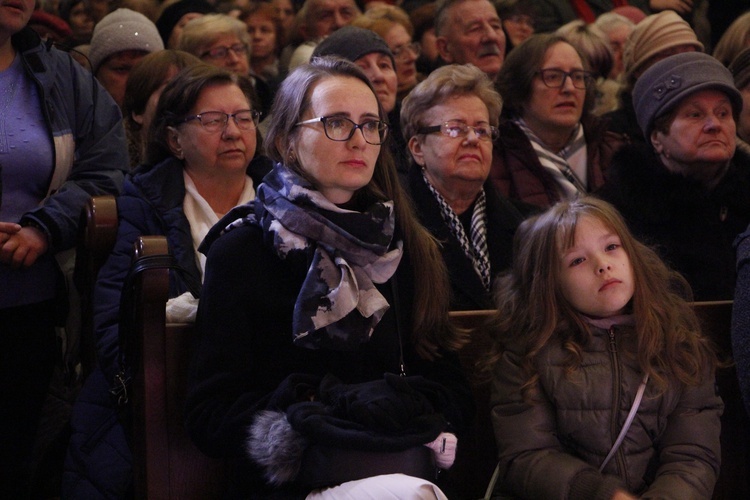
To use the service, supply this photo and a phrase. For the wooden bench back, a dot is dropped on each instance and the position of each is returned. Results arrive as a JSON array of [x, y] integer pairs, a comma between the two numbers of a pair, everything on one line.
[[167, 465], [96, 238]]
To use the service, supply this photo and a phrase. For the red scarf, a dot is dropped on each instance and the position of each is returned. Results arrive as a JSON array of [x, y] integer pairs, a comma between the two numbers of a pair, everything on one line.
[[584, 11]]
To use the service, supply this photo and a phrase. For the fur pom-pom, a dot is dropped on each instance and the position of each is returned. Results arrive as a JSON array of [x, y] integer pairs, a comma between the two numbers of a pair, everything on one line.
[[275, 445]]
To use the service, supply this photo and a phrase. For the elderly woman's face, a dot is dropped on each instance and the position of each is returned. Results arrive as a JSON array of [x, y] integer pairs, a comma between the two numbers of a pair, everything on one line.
[[556, 110], [380, 71], [215, 153], [399, 42], [459, 165], [338, 168], [701, 138], [228, 52]]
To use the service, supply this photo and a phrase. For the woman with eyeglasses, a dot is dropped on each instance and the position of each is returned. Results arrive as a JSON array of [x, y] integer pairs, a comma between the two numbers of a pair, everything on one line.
[[223, 41], [325, 360], [368, 50], [198, 161], [392, 23], [550, 147], [450, 121]]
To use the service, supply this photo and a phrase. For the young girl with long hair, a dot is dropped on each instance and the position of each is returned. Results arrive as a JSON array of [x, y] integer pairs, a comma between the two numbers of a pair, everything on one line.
[[591, 328]]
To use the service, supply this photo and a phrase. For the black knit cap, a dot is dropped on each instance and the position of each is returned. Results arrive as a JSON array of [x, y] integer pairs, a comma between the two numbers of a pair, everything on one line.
[[351, 43], [172, 15]]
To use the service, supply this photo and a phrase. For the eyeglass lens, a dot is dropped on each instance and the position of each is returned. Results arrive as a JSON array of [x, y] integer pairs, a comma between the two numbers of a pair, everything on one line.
[[555, 78], [213, 121], [342, 129]]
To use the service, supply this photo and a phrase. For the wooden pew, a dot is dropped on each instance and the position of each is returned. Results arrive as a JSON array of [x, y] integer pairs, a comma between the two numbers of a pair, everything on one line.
[[166, 464], [96, 238]]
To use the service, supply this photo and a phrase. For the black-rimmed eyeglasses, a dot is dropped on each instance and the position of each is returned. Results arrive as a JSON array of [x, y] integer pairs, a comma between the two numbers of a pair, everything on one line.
[[453, 128], [555, 78], [215, 121], [339, 128]]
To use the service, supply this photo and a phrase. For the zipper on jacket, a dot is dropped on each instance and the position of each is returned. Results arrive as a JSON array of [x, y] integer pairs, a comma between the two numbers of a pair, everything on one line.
[[613, 425]]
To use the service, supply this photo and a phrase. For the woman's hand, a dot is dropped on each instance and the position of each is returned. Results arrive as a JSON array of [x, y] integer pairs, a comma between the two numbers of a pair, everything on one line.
[[623, 495], [22, 248], [680, 6]]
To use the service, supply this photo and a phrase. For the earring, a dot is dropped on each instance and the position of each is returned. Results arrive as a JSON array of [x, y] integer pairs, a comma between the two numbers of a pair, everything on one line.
[[179, 154]]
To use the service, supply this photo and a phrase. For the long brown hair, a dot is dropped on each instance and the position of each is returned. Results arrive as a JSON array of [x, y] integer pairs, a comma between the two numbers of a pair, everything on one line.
[[431, 329], [531, 306]]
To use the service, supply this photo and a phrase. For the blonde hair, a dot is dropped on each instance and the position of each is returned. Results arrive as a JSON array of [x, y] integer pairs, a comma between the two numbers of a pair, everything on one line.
[[202, 31], [443, 83], [735, 39]]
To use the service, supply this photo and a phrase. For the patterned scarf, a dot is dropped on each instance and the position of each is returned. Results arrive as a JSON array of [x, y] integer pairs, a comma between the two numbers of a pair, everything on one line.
[[476, 250], [568, 166], [338, 305]]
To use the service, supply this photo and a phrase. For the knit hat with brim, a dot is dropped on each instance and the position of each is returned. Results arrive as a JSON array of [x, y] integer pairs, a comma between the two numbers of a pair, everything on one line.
[[664, 85], [656, 33], [121, 30], [351, 43]]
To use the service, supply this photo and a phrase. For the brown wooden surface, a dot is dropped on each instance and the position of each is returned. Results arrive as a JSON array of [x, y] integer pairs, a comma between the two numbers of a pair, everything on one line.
[[96, 238], [167, 465]]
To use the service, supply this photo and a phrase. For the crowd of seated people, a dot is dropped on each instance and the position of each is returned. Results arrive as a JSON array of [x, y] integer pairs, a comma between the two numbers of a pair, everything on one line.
[[418, 135]]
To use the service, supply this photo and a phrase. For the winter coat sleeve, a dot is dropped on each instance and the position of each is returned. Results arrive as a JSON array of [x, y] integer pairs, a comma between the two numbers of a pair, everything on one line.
[[135, 218], [741, 317], [689, 451], [78, 105], [532, 461], [239, 327]]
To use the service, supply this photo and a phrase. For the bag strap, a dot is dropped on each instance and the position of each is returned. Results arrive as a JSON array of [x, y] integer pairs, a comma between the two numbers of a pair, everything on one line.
[[618, 442], [628, 421], [126, 359]]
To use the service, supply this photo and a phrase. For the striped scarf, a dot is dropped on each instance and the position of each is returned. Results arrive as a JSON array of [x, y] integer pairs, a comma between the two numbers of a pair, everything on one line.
[[476, 249], [568, 166]]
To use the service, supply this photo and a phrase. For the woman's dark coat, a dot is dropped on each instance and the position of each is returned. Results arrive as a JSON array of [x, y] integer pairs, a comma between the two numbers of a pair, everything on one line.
[[691, 227]]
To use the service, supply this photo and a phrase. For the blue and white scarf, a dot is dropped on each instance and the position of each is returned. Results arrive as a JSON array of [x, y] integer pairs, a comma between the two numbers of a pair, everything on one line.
[[338, 305]]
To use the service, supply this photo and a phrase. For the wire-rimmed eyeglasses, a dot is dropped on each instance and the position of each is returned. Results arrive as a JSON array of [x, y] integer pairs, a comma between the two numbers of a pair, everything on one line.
[[221, 52], [340, 128], [555, 78], [215, 121], [401, 52], [455, 128]]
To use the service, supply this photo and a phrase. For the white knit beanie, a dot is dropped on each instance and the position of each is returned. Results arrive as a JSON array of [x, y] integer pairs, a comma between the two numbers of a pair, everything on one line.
[[123, 29]]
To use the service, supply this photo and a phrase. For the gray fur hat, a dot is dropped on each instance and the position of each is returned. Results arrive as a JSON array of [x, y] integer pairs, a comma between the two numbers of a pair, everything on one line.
[[665, 84], [122, 29], [351, 43]]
